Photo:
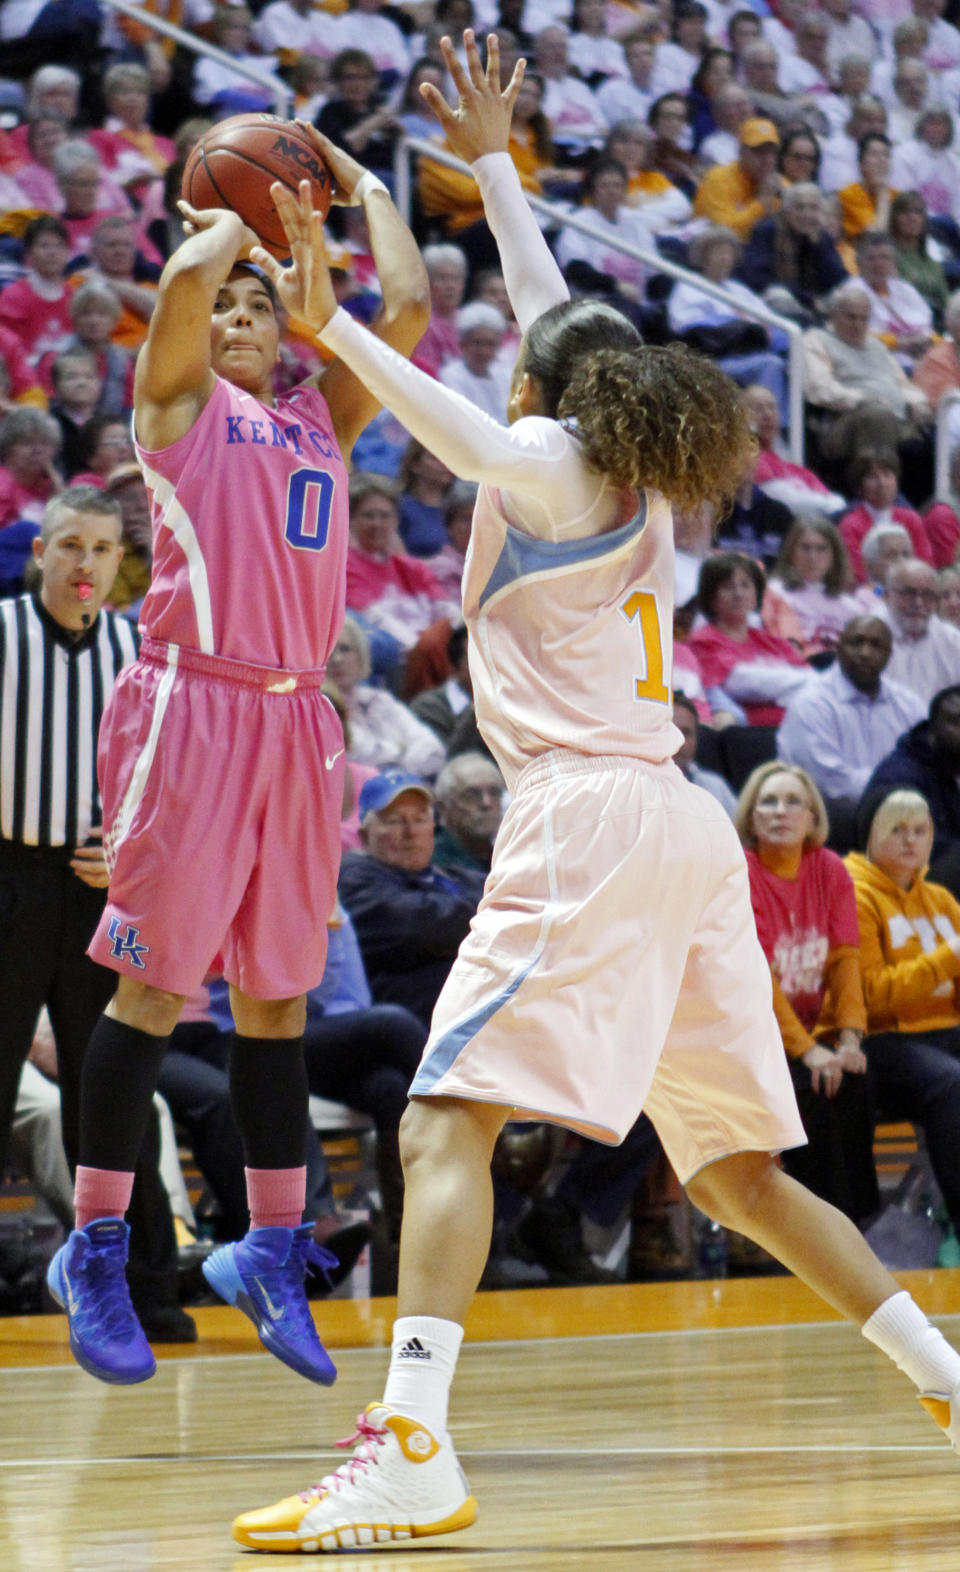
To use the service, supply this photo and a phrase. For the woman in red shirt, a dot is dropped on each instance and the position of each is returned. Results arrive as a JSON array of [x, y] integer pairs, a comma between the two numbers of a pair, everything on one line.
[[29, 440], [37, 307], [806, 915], [746, 670]]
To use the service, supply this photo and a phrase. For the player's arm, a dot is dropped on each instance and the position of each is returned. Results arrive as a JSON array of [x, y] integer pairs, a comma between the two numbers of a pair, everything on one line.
[[478, 131], [404, 285], [535, 459], [173, 377]]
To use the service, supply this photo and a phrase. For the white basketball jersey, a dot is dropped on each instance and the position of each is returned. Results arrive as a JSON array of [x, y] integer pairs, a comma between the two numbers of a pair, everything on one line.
[[570, 641]]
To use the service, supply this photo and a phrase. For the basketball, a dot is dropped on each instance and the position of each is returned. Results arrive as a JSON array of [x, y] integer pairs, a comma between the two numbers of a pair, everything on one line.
[[238, 160]]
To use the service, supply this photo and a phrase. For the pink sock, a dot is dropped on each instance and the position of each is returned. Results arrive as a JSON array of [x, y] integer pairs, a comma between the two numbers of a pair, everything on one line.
[[101, 1192], [276, 1196]]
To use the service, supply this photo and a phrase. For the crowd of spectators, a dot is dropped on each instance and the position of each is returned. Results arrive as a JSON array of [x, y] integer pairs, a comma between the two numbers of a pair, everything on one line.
[[798, 158]]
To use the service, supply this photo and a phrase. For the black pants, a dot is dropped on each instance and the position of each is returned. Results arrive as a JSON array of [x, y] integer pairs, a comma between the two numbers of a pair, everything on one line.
[[602, 1179], [366, 1059], [917, 1077], [47, 919], [837, 1163]]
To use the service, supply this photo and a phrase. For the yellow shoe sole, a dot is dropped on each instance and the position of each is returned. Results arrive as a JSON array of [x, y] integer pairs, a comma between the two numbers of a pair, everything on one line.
[[349, 1536]]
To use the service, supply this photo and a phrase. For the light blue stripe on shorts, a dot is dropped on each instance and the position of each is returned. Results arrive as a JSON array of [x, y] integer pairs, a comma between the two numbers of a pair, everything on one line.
[[445, 1051]]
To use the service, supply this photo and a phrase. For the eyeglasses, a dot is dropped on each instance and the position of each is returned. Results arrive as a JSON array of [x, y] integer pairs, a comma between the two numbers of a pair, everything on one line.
[[927, 597]]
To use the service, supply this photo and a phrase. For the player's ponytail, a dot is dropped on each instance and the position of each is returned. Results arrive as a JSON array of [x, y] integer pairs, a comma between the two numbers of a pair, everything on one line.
[[664, 419]]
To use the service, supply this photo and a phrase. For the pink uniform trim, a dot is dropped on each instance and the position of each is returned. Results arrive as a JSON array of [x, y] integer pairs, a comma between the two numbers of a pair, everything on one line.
[[276, 1196], [101, 1192]]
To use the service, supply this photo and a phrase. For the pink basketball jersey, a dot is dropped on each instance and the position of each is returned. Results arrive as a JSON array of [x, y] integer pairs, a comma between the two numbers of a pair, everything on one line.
[[250, 530], [571, 642]]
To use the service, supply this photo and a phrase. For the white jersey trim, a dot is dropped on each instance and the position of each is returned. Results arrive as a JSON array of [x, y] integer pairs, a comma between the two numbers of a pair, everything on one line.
[[116, 832], [176, 519]]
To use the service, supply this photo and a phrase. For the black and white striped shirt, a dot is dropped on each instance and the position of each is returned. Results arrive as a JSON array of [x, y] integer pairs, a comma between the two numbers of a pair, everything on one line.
[[53, 689]]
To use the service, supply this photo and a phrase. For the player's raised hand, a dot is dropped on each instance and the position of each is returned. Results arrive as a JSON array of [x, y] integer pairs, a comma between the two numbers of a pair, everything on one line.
[[481, 121], [304, 287], [198, 220]]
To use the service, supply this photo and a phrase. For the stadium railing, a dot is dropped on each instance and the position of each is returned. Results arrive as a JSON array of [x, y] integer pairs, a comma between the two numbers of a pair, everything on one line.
[[281, 96], [942, 481]]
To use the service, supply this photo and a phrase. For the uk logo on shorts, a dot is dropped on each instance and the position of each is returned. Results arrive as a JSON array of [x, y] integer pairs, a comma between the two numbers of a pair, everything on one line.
[[124, 944]]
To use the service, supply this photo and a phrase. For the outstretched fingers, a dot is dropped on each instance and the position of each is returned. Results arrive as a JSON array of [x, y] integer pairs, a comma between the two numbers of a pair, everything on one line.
[[452, 61], [479, 123], [510, 92], [478, 76], [296, 213], [493, 63], [434, 98]]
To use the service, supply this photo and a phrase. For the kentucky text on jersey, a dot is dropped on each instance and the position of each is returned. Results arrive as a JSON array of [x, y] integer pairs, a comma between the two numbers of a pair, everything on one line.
[[266, 433]]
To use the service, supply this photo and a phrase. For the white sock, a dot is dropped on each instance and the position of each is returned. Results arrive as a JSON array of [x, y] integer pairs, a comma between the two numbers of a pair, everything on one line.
[[903, 1332], [423, 1358]]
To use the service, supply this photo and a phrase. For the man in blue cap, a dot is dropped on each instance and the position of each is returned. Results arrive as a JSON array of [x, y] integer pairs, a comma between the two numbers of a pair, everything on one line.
[[409, 916]]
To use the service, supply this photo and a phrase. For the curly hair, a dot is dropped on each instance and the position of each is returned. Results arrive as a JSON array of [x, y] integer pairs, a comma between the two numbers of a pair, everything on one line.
[[663, 419]]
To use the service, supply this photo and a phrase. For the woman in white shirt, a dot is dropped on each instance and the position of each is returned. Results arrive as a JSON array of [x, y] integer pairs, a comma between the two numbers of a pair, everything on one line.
[[929, 163], [813, 576], [717, 327], [384, 734], [364, 27], [605, 205], [590, 49], [219, 87]]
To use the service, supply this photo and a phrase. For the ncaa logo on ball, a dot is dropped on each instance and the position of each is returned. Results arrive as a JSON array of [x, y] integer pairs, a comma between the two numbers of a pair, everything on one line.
[[302, 157]]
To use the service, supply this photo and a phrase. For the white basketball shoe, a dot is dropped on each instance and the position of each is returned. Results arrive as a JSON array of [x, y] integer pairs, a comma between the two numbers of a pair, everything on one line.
[[401, 1483]]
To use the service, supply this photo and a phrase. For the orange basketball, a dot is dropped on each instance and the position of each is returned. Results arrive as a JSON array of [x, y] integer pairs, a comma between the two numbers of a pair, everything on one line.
[[237, 162]]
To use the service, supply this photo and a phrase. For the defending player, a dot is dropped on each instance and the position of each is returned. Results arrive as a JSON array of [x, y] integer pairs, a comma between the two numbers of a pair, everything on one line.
[[221, 762], [613, 962]]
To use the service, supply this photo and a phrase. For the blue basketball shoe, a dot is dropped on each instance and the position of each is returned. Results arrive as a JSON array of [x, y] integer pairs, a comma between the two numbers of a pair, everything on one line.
[[263, 1275], [87, 1278]]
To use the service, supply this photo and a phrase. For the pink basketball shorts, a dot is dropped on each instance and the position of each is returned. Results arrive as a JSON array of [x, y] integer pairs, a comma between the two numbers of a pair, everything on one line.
[[222, 788], [613, 965]]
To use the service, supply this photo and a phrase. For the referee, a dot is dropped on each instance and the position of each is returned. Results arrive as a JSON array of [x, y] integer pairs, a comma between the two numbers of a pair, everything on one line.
[[60, 655]]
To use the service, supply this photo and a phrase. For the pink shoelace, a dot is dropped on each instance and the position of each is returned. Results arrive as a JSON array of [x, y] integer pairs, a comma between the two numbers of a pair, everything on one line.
[[366, 1438]]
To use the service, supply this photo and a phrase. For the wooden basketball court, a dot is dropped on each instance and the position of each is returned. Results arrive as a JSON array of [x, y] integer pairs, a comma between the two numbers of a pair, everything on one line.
[[685, 1427]]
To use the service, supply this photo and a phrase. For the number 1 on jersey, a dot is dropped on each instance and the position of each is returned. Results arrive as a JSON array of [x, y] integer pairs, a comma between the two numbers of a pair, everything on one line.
[[642, 605]]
